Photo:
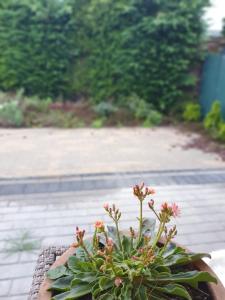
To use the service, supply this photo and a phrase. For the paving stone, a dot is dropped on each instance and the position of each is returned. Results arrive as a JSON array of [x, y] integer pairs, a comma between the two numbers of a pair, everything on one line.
[[29, 256], [23, 297], [4, 287], [17, 270], [8, 258], [21, 286]]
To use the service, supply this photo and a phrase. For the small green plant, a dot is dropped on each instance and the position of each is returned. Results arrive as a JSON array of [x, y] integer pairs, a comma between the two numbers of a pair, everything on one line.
[[22, 242], [192, 112], [154, 118], [98, 123], [11, 114], [37, 104], [144, 111], [213, 119], [105, 109], [214, 123], [136, 266], [138, 106]]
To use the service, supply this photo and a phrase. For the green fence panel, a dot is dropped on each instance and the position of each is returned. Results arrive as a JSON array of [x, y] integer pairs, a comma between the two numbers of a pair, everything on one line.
[[213, 82]]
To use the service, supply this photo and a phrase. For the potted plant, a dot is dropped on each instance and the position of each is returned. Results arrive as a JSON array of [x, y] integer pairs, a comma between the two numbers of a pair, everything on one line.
[[138, 265]]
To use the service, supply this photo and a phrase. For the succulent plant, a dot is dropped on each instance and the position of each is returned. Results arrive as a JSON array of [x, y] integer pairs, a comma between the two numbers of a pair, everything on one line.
[[134, 266]]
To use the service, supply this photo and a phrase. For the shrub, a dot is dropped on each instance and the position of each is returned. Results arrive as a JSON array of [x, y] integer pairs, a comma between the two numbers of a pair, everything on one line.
[[37, 46], [213, 119], [214, 123], [154, 118], [11, 114], [143, 47], [192, 112]]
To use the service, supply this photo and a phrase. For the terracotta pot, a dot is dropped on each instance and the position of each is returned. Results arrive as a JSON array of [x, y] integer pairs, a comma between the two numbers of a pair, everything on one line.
[[217, 290]]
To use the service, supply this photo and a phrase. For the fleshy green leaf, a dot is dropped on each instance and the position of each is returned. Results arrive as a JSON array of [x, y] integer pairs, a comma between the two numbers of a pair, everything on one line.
[[176, 290], [192, 278], [62, 296], [62, 284], [185, 258], [141, 293], [76, 292], [57, 272], [126, 243], [105, 283]]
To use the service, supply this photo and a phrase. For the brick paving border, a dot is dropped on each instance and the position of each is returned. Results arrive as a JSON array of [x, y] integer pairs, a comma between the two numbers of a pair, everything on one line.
[[87, 182]]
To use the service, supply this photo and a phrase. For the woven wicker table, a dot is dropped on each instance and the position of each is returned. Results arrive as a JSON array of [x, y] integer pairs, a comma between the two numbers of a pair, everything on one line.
[[47, 257]]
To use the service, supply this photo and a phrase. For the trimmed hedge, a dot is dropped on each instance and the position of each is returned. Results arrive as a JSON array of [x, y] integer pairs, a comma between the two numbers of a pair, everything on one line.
[[143, 47], [37, 46], [106, 50]]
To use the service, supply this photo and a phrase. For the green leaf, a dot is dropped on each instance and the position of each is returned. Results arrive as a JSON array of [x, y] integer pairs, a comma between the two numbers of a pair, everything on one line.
[[57, 272], [76, 265], [184, 258], [176, 290], [72, 263], [106, 296], [77, 292], [126, 243], [126, 291], [62, 296], [85, 276], [62, 284], [105, 283], [141, 293], [172, 249], [192, 278]]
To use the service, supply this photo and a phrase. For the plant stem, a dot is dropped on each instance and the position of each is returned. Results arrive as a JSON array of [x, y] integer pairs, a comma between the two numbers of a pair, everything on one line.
[[158, 236], [86, 251], [118, 235], [94, 240], [140, 221]]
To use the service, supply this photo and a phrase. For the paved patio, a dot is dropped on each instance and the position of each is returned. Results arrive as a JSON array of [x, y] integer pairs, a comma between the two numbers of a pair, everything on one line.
[[54, 152], [50, 217]]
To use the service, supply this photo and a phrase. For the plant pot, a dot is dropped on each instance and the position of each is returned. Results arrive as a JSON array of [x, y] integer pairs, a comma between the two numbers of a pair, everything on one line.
[[217, 290]]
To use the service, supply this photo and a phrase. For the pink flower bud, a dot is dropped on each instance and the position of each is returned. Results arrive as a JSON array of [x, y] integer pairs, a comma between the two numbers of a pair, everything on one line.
[[99, 224], [118, 281], [106, 206], [151, 203], [164, 206]]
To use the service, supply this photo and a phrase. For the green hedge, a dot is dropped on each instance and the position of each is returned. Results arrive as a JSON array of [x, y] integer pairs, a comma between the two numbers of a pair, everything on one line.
[[37, 46], [146, 47], [106, 50]]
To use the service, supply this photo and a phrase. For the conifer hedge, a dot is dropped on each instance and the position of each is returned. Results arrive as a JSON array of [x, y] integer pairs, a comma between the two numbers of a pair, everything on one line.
[[36, 46], [106, 50]]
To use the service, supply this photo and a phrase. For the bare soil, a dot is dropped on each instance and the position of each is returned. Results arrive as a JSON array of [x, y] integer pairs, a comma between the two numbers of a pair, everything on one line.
[[202, 141]]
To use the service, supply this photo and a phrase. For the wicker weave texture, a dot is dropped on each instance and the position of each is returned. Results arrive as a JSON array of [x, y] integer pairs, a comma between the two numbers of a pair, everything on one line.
[[47, 257]]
